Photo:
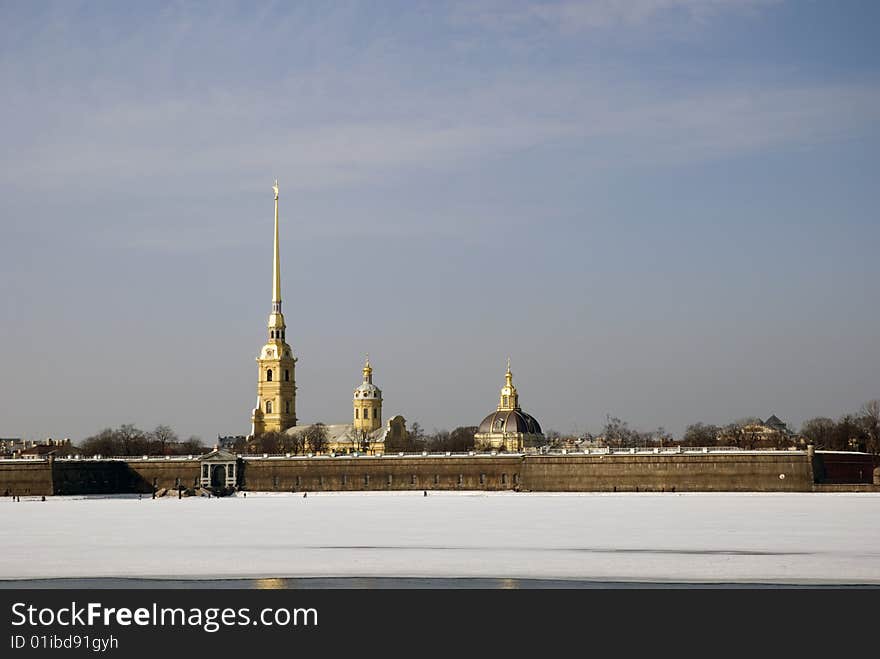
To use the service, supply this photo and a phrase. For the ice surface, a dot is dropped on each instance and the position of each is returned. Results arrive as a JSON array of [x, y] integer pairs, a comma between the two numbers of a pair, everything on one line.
[[778, 538]]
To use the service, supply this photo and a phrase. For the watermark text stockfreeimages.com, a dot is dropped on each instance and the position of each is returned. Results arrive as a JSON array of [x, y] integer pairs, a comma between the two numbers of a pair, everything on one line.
[[209, 619]]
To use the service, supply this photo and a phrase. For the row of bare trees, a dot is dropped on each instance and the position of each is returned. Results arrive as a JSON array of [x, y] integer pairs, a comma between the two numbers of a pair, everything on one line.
[[858, 431], [312, 440], [851, 431], [127, 439], [456, 441]]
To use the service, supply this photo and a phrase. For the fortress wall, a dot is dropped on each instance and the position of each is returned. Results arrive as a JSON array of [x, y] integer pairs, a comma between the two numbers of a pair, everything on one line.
[[25, 477], [722, 472], [681, 472], [835, 467], [144, 474], [121, 477], [90, 477], [573, 473], [386, 473]]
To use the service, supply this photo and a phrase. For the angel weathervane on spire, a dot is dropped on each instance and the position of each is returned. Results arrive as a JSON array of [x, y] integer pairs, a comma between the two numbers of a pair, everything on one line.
[[275, 188]]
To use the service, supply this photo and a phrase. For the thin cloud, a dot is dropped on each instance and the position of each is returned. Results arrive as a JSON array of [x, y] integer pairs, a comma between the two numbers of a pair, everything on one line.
[[571, 16]]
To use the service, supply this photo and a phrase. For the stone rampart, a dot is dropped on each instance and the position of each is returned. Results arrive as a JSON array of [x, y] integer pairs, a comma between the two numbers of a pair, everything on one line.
[[620, 471]]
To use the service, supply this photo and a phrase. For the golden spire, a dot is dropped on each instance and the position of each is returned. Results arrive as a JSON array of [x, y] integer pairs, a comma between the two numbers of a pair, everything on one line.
[[509, 399], [276, 262], [368, 371]]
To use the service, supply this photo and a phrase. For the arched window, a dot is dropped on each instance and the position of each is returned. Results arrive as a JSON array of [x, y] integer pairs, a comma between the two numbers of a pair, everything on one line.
[[268, 407], [375, 413], [287, 406], [356, 413], [271, 334], [287, 375], [269, 375]]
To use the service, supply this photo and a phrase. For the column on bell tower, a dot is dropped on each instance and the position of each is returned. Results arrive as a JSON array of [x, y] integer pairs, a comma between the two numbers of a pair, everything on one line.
[[276, 385]]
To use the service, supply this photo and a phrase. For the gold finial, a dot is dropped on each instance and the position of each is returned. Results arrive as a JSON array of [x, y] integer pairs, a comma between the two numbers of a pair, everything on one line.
[[508, 364], [368, 371], [275, 188]]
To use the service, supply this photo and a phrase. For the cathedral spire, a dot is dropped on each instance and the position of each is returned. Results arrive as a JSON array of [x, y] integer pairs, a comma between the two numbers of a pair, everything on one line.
[[276, 262], [276, 384], [276, 318]]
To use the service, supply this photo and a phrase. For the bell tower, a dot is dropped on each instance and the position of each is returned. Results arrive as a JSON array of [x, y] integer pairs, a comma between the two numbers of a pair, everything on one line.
[[276, 386], [367, 402]]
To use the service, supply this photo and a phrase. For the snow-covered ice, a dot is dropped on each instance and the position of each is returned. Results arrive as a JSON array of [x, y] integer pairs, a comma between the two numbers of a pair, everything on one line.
[[777, 538]]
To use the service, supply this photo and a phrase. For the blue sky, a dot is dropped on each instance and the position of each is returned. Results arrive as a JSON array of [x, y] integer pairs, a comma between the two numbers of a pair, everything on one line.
[[664, 210]]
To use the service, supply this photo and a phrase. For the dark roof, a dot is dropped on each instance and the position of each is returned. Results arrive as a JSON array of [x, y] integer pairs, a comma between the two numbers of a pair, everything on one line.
[[40, 449], [774, 422], [510, 421]]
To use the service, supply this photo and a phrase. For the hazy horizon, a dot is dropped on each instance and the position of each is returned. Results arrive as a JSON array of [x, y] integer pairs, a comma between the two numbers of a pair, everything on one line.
[[662, 210]]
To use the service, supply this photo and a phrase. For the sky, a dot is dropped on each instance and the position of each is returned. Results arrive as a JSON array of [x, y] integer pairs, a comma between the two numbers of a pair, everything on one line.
[[660, 210]]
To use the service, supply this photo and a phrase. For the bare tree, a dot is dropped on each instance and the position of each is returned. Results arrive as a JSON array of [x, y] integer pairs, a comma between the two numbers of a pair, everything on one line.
[[462, 438], [415, 440], [268, 442], [193, 445], [459, 440], [315, 438], [701, 434], [848, 434], [161, 437], [819, 432], [662, 436], [618, 433], [870, 420], [290, 442], [554, 439]]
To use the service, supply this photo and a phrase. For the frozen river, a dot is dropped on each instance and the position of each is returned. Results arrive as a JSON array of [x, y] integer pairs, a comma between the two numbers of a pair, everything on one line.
[[715, 538]]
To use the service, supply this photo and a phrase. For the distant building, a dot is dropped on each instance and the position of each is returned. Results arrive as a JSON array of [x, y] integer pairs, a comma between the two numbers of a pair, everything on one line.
[[771, 430], [44, 448], [229, 442], [9, 445], [508, 428], [776, 424]]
